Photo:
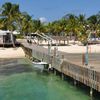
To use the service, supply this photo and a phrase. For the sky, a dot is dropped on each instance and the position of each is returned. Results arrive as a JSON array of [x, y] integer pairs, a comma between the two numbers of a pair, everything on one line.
[[51, 10]]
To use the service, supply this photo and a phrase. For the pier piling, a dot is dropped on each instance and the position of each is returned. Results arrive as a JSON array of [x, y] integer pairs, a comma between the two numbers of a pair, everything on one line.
[[62, 76]]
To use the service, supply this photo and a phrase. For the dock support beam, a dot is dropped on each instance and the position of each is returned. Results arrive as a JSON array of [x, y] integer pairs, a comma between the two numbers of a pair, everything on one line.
[[62, 76], [75, 82], [91, 92], [55, 72]]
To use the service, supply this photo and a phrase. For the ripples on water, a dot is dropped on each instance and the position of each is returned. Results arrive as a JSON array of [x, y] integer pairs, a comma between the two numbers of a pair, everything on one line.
[[20, 81]]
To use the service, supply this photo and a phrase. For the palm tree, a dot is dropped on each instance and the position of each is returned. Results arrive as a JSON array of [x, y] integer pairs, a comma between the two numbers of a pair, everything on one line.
[[9, 15], [72, 25], [94, 23], [25, 23], [81, 19], [37, 25], [81, 24], [92, 20]]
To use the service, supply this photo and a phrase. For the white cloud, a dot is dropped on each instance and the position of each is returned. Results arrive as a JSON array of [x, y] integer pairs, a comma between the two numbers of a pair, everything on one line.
[[43, 19]]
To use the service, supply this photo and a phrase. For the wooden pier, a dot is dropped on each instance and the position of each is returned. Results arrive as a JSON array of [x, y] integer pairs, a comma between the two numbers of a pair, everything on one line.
[[64, 63]]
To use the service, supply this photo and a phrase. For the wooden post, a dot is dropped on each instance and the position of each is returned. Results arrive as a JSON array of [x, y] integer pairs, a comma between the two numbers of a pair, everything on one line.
[[12, 39], [91, 92], [75, 82], [62, 56], [83, 59], [55, 72], [54, 51], [3, 41], [62, 76], [91, 78]]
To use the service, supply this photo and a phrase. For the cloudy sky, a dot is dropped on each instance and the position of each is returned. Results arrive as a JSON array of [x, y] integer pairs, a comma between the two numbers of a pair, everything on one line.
[[54, 9]]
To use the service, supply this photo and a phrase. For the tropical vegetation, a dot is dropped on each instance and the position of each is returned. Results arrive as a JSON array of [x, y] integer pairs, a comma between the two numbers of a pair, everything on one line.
[[11, 18]]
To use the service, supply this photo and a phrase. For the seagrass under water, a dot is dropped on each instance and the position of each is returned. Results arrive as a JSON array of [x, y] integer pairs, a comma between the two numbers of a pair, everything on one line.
[[20, 81]]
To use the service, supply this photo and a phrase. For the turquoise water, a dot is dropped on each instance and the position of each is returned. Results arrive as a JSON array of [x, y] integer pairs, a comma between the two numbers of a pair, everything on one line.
[[35, 85]]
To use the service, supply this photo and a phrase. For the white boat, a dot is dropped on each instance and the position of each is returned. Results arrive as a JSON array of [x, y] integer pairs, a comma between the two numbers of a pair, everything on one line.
[[40, 65]]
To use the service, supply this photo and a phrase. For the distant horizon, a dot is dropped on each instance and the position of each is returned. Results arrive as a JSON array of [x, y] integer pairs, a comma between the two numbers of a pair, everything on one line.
[[55, 9]]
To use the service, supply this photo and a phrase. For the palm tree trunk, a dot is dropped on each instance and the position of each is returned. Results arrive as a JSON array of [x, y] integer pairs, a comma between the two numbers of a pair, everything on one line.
[[12, 39], [67, 40], [3, 41]]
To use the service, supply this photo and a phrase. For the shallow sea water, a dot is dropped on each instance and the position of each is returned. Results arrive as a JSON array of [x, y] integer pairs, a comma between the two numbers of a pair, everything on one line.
[[36, 85]]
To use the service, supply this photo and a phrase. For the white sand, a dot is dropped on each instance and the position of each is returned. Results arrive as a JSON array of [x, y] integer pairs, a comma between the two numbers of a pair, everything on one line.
[[19, 53], [11, 53], [78, 49]]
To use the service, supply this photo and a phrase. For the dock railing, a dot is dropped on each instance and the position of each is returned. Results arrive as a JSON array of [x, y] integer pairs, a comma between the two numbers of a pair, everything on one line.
[[85, 75]]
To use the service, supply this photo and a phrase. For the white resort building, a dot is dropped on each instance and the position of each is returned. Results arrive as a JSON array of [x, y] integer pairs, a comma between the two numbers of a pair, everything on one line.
[[7, 38]]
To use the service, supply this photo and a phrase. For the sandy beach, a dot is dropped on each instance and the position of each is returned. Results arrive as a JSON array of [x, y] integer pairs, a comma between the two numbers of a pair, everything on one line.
[[19, 53], [78, 49], [11, 52]]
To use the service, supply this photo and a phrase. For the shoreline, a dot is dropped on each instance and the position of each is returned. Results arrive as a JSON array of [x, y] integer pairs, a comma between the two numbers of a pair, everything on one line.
[[11, 53]]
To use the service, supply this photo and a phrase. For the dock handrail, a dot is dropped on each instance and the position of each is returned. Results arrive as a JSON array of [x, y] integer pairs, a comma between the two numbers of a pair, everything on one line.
[[49, 42], [48, 37]]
